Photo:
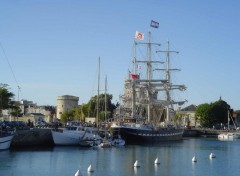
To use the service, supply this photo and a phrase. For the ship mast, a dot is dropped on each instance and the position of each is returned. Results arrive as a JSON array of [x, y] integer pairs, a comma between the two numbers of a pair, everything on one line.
[[148, 80], [133, 81], [168, 85], [149, 74]]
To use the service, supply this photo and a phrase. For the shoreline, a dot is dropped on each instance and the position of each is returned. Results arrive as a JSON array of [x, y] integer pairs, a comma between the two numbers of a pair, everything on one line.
[[42, 137]]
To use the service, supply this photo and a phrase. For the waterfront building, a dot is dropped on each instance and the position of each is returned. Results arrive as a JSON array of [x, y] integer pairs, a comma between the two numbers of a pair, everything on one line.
[[189, 118], [66, 103], [31, 111]]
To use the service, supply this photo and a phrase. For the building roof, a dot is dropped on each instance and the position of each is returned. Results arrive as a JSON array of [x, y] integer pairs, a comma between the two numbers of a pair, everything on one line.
[[191, 107]]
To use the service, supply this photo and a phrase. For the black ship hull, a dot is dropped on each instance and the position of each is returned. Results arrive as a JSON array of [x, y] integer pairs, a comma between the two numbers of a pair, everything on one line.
[[143, 136]]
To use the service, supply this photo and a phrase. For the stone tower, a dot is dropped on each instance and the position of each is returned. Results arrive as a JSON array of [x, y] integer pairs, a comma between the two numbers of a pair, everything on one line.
[[66, 103]]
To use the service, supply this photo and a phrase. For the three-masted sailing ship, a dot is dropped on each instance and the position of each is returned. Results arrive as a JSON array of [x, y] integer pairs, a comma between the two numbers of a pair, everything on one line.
[[146, 112]]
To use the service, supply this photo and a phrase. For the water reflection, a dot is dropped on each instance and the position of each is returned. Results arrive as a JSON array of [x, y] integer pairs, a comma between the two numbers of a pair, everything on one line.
[[175, 160]]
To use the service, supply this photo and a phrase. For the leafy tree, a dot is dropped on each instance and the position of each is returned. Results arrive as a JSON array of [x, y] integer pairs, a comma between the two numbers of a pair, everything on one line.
[[16, 110], [203, 111], [67, 116], [212, 114], [102, 115], [5, 97], [78, 113], [219, 111], [93, 106]]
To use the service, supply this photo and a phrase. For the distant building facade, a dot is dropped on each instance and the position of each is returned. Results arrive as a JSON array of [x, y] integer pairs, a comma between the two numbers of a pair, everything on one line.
[[66, 103], [31, 111], [189, 118]]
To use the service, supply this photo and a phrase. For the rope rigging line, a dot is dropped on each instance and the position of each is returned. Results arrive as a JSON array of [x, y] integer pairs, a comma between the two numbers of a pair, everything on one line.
[[7, 59]]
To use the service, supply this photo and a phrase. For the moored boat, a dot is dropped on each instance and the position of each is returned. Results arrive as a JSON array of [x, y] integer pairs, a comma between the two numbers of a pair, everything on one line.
[[146, 110], [229, 136], [118, 141], [73, 135], [6, 139]]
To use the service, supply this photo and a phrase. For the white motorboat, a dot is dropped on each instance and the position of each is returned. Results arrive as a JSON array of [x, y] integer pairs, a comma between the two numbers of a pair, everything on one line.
[[72, 135], [5, 139]]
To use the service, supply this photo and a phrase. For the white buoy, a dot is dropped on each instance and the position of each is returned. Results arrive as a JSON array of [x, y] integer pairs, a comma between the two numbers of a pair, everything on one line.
[[212, 155], [136, 164], [156, 161], [194, 159], [77, 173], [90, 168]]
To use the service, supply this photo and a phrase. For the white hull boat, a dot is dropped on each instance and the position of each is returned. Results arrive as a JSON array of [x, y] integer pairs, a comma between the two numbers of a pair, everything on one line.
[[5, 140], [228, 136], [73, 135]]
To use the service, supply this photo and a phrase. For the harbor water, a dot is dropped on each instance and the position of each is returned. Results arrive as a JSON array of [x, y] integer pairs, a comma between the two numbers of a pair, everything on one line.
[[175, 159]]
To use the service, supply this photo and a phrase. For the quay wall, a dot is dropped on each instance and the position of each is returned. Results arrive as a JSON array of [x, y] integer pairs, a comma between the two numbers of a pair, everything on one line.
[[42, 137], [36, 137], [200, 132]]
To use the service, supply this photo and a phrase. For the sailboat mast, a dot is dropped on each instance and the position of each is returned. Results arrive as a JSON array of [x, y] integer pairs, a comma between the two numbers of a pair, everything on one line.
[[228, 119], [105, 98], [97, 119]]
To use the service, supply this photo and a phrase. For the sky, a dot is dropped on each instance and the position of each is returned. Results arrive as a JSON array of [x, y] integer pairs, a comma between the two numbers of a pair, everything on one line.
[[50, 48]]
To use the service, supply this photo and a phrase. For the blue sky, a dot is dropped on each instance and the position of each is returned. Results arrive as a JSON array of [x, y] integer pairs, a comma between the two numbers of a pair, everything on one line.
[[53, 46]]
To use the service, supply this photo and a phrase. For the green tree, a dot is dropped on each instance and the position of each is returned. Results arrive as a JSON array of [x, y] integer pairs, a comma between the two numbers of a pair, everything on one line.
[[5, 97], [203, 112], [92, 104], [16, 110], [214, 113], [219, 111], [67, 116]]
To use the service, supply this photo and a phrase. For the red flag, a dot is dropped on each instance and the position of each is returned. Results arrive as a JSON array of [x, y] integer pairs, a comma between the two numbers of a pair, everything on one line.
[[139, 35], [134, 76]]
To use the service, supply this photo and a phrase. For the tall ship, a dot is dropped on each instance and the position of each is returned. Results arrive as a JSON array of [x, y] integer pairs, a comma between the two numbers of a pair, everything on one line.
[[146, 113]]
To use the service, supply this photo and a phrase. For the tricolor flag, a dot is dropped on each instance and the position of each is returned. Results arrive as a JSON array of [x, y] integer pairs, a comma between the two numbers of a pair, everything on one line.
[[154, 24], [139, 35]]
